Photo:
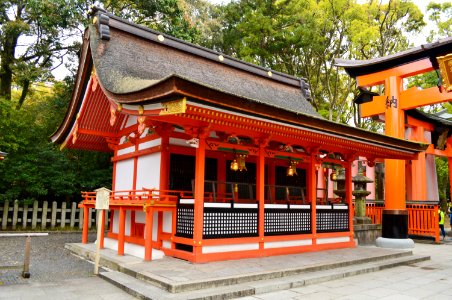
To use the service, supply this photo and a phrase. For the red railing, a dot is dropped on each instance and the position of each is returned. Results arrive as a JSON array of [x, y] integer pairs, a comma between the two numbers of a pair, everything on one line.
[[147, 200], [422, 217]]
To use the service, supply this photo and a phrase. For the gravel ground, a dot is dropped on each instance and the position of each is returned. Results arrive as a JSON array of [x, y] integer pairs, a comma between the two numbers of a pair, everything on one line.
[[49, 261]]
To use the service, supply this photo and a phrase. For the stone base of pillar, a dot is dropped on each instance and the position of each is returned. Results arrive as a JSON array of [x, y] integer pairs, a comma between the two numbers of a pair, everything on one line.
[[394, 243], [395, 224], [366, 234], [361, 220]]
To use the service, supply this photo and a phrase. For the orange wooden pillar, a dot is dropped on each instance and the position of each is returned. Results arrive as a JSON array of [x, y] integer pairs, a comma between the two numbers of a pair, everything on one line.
[[148, 234], [164, 177], [312, 195], [122, 230], [349, 195], [395, 215], [199, 196], [260, 193], [85, 224]]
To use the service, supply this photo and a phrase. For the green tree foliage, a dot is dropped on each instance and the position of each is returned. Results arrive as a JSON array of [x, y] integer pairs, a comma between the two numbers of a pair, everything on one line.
[[33, 36], [442, 172], [441, 15], [35, 168], [166, 16], [302, 38]]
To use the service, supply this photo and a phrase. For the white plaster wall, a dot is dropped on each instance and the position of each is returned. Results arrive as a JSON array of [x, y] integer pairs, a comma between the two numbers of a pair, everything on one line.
[[150, 144], [132, 120], [167, 222], [230, 248], [128, 221], [148, 171], [124, 175], [294, 243], [115, 227], [155, 226], [126, 150], [140, 217], [179, 142]]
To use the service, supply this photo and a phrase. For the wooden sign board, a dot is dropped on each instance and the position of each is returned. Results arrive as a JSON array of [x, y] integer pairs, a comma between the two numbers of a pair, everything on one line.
[[445, 66], [102, 198]]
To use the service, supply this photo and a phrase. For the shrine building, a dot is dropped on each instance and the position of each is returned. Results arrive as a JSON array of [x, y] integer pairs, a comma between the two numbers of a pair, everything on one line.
[[213, 158]]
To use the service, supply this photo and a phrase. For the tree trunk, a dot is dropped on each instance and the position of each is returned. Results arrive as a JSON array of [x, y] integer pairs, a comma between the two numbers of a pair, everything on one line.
[[25, 88], [6, 78], [7, 60]]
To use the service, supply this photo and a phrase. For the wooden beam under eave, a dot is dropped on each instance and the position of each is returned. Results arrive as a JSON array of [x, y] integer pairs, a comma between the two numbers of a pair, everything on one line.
[[97, 133], [407, 70], [413, 97], [376, 107], [412, 122], [444, 153]]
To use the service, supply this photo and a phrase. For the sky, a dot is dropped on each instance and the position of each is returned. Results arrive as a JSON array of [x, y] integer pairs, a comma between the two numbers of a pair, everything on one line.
[[417, 40]]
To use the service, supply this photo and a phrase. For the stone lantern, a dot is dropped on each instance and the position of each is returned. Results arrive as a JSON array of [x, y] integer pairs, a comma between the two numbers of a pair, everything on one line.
[[360, 192], [340, 188]]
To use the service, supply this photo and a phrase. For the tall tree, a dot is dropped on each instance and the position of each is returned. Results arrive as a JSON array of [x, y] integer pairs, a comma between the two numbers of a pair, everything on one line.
[[34, 35], [167, 16], [302, 38], [441, 15]]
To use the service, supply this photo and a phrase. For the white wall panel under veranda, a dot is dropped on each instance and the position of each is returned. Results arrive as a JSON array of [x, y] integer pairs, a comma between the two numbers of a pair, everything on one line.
[[140, 217], [230, 248], [167, 221], [124, 175], [342, 239], [148, 171], [115, 227], [282, 244], [132, 249]]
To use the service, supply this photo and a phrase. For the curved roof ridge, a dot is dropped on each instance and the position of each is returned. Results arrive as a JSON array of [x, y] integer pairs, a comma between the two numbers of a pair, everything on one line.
[[201, 51], [363, 67]]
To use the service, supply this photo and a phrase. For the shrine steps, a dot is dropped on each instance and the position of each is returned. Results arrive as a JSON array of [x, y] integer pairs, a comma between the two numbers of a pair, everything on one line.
[[171, 278]]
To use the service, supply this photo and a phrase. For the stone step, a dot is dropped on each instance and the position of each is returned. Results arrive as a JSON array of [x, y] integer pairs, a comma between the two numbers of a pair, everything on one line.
[[191, 285], [144, 290]]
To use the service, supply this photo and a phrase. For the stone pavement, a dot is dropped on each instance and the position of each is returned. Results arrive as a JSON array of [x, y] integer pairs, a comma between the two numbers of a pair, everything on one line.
[[429, 279]]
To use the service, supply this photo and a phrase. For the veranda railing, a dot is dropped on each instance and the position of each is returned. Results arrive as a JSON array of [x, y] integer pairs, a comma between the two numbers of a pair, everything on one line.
[[422, 216]]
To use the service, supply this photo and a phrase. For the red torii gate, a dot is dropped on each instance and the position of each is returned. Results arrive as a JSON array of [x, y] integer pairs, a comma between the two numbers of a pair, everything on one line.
[[391, 106]]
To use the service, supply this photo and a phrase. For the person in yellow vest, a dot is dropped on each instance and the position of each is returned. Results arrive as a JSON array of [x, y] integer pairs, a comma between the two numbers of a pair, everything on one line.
[[449, 207], [441, 222]]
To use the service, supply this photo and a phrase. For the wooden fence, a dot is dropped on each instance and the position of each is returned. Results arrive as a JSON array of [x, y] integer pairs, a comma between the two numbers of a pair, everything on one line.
[[422, 217], [42, 215]]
